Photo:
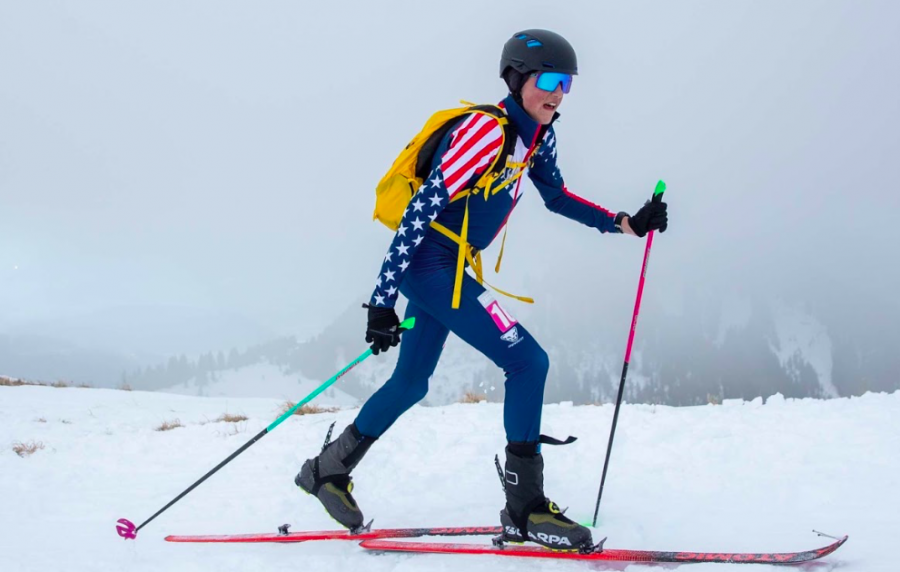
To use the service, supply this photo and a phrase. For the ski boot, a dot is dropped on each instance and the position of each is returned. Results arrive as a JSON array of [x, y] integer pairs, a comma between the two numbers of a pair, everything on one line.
[[327, 477], [528, 515]]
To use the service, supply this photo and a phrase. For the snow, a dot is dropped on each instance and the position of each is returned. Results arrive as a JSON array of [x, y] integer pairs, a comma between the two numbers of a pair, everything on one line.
[[744, 476]]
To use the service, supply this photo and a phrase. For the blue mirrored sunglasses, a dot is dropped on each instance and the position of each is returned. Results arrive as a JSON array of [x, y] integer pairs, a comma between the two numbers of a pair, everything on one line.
[[548, 81]]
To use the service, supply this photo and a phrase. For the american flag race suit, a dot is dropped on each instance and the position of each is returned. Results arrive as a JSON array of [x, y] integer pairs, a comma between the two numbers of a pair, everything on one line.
[[473, 145], [421, 262]]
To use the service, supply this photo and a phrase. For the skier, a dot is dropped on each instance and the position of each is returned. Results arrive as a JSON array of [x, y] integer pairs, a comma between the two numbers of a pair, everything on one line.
[[537, 66]]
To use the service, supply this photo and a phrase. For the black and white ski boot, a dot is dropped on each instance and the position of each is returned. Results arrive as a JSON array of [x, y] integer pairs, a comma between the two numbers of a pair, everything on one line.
[[327, 477], [528, 514]]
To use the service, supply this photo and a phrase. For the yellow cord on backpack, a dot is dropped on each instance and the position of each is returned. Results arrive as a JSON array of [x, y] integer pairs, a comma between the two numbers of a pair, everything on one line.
[[465, 255], [461, 258], [502, 246], [521, 167], [464, 251], [475, 263]]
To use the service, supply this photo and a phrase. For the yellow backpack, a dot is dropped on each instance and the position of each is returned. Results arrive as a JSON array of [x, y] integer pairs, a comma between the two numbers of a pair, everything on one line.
[[396, 189]]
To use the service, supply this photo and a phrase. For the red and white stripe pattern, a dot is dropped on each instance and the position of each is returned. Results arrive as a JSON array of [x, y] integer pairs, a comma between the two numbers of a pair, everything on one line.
[[473, 146]]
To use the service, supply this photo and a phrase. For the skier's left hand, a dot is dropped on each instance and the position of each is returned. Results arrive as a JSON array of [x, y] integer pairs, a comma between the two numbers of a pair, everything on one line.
[[652, 216], [382, 329]]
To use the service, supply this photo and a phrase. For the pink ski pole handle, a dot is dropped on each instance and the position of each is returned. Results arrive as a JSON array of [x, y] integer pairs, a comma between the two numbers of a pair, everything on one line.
[[657, 196]]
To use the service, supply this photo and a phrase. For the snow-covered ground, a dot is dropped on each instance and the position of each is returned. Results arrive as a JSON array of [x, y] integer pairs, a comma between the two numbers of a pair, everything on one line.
[[734, 477]]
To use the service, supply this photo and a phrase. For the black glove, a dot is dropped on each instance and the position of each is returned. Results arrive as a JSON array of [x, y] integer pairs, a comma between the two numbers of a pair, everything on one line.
[[651, 216], [383, 329]]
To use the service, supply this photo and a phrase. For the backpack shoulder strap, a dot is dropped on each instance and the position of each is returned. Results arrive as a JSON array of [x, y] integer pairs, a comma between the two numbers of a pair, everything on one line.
[[429, 148]]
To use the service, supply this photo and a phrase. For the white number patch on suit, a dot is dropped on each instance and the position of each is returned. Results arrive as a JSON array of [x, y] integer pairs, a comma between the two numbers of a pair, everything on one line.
[[501, 318]]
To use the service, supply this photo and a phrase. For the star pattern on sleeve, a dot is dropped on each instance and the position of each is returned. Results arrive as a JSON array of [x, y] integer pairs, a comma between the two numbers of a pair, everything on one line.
[[425, 206], [546, 157], [473, 146]]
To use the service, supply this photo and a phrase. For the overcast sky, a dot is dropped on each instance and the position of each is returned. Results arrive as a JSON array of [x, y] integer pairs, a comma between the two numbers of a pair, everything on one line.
[[222, 156]]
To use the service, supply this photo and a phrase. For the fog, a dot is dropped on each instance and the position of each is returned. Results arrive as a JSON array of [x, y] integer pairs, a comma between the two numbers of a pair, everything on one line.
[[182, 177]]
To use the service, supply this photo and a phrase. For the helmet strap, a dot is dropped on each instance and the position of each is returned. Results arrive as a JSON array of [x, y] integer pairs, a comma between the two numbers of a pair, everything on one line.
[[514, 81]]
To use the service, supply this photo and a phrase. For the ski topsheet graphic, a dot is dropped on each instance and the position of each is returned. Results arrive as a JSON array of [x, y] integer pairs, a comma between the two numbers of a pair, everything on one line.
[[379, 541], [608, 554], [284, 536]]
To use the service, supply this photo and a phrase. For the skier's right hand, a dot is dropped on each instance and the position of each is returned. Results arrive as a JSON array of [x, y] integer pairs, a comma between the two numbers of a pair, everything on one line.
[[383, 328], [652, 216]]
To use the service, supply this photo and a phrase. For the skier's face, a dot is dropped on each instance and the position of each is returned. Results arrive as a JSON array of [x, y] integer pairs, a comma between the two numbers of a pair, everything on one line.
[[540, 104]]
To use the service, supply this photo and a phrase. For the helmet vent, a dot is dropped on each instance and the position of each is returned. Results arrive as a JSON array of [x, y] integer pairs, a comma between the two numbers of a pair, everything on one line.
[[528, 51]]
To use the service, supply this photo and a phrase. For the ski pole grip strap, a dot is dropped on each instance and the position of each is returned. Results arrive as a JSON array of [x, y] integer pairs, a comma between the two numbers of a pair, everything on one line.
[[547, 440]]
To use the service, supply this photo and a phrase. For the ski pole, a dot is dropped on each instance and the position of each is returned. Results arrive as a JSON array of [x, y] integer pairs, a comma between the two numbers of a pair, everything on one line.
[[127, 529], [657, 196]]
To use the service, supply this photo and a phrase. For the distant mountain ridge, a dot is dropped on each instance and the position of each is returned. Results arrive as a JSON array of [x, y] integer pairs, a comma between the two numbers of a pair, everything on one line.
[[98, 347], [738, 349]]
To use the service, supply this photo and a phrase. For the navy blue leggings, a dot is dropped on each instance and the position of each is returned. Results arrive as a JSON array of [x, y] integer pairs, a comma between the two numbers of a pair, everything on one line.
[[480, 322]]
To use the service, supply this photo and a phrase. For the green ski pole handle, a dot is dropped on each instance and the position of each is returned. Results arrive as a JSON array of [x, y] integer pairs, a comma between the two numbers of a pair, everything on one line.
[[658, 191]]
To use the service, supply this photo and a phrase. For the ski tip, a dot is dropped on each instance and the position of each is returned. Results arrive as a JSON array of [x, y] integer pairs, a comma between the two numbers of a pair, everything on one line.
[[834, 545]]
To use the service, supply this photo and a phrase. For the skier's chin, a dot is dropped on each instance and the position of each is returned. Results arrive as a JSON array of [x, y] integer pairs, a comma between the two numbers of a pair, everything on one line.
[[545, 115]]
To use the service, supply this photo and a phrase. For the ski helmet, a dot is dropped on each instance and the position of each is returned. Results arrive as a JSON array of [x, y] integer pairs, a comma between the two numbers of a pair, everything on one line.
[[538, 50]]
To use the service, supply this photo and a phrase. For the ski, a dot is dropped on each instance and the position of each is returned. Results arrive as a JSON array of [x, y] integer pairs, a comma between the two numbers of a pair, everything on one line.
[[284, 536], [607, 554]]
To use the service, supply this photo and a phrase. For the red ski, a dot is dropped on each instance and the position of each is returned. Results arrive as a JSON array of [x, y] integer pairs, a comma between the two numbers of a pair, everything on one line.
[[605, 553], [284, 536]]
